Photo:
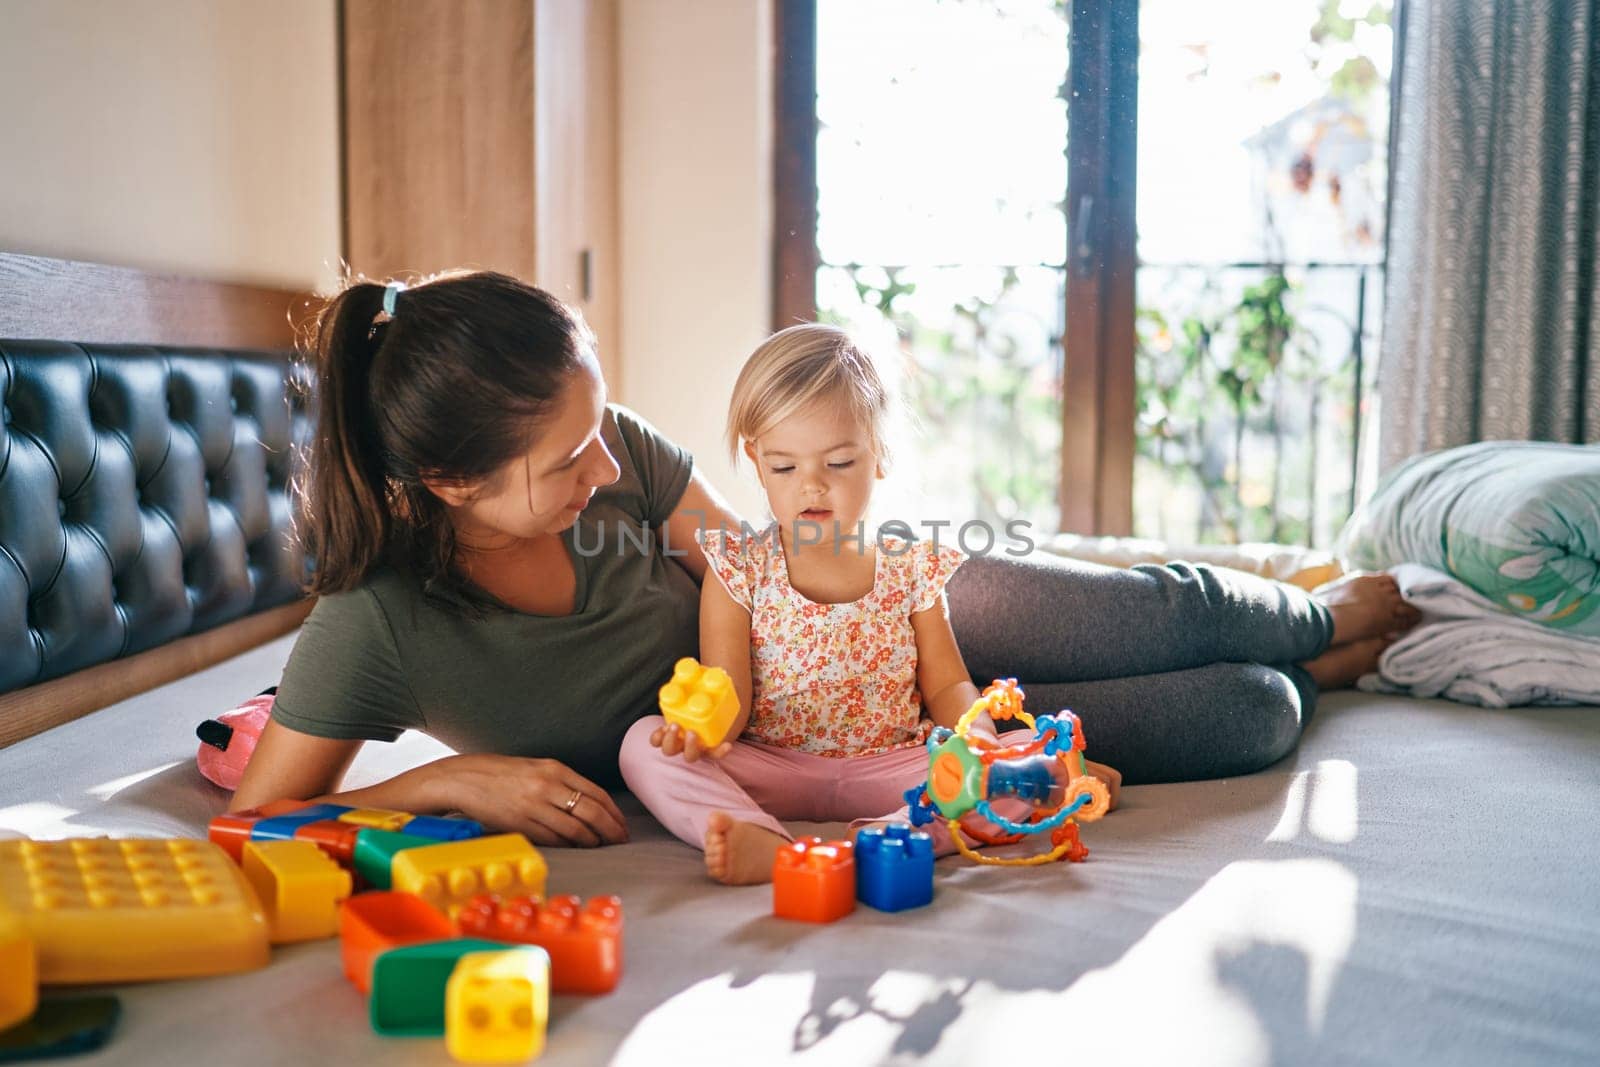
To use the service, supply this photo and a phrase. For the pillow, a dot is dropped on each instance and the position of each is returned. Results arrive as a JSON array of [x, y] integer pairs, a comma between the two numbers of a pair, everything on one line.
[[1518, 521]]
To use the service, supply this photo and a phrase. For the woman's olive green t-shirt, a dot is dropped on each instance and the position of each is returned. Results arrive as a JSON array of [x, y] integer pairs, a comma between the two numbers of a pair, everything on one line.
[[386, 657]]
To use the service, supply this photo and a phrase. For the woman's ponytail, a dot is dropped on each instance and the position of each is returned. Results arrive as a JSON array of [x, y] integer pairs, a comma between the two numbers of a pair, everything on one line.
[[449, 386], [346, 513]]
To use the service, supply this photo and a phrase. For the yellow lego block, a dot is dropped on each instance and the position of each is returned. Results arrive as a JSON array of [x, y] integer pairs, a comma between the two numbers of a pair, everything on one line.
[[449, 875], [700, 700], [299, 886], [19, 972], [99, 910], [377, 818], [497, 1004]]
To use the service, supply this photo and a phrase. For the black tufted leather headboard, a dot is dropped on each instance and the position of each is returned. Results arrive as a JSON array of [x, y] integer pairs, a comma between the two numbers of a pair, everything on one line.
[[143, 496]]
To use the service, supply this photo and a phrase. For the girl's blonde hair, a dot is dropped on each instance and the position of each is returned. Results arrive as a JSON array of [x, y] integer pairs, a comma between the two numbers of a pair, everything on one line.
[[799, 366]]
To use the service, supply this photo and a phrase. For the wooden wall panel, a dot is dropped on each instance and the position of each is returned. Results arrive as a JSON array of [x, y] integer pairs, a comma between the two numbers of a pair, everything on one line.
[[439, 145], [575, 164], [483, 134]]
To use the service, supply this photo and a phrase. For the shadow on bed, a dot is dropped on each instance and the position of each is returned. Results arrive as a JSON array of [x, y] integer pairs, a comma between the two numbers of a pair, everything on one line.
[[917, 978]]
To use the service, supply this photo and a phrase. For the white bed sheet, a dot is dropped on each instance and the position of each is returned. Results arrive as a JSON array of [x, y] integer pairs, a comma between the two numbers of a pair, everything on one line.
[[1416, 885]]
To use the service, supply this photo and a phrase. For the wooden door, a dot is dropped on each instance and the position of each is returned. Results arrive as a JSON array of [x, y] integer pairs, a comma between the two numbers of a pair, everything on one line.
[[482, 134]]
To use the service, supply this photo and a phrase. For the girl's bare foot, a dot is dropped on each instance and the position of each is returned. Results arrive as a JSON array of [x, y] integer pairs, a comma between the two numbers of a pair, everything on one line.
[[1366, 605], [740, 853], [1338, 668]]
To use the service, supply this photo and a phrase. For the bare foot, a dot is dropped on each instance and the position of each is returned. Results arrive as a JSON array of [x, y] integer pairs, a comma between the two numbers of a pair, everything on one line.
[[1338, 668], [1366, 605], [740, 853]]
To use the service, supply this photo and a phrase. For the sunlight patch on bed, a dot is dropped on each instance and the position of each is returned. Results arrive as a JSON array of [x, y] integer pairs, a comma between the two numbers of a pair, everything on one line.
[[1152, 1005], [39, 819], [107, 790], [775, 1017], [1321, 802]]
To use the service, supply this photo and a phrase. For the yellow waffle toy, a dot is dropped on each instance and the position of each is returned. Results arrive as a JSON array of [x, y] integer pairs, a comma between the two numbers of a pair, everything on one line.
[[449, 875], [19, 986], [99, 910]]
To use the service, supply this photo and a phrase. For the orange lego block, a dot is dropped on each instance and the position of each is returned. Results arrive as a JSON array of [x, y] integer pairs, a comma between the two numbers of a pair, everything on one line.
[[371, 924], [378, 818], [99, 910], [232, 829], [496, 1006], [584, 940], [19, 972], [700, 700], [450, 874], [814, 880], [299, 887], [334, 836]]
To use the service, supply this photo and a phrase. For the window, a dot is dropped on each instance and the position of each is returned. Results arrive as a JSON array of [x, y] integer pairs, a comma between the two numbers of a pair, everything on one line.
[[930, 196]]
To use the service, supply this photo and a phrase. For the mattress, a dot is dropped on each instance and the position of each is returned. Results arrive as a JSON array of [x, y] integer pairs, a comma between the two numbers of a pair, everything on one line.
[[1417, 884]]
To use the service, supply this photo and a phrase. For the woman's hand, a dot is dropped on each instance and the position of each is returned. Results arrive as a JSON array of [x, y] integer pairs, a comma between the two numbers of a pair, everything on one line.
[[672, 740], [1109, 775], [543, 799]]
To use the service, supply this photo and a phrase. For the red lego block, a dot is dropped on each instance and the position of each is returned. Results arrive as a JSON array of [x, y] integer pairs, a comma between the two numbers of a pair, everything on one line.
[[814, 880], [231, 830], [584, 940], [335, 837]]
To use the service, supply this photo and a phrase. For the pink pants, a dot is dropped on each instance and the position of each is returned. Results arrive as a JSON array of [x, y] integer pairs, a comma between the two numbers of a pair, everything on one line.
[[760, 784]]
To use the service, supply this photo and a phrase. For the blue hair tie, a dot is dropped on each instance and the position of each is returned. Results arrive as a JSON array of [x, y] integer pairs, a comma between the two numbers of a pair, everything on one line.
[[391, 293]]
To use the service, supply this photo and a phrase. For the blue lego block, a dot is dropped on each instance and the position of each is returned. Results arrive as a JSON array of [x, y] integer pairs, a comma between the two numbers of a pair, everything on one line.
[[443, 829], [894, 868], [282, 827]]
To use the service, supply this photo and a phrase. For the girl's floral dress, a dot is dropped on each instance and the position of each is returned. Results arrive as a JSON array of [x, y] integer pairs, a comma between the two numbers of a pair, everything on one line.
[[832, 679]]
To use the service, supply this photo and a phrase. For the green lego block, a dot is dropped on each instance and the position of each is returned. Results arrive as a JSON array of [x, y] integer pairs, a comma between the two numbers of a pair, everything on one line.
[[375, 851], [408, 985]]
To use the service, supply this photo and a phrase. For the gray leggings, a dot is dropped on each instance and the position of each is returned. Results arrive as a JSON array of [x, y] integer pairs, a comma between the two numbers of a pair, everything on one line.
[[1179, 672]]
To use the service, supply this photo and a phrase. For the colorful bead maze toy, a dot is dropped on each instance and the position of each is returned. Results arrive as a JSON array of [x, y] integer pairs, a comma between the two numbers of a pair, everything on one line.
[[967, 771]]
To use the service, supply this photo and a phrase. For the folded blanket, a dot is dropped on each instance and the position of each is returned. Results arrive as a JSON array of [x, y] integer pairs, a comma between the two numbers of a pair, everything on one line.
[[1467, 649], [1519, 521]]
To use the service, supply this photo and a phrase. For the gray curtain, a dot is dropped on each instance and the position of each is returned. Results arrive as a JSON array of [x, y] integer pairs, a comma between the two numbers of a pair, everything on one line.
[[1492, 309]]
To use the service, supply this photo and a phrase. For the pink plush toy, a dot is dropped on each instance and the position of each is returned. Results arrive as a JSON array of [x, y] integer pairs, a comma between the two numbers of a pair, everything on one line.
[[227, 741]]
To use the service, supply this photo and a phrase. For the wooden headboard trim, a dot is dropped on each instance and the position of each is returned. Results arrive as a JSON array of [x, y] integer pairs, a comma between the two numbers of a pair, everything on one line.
[[62, 300]]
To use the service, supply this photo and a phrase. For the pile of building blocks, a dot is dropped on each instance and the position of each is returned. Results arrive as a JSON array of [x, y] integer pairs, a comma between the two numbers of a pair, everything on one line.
[[889, 868], [445, 928]]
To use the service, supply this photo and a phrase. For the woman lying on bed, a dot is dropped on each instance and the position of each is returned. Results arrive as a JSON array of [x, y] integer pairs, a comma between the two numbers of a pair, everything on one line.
[[507, 563]]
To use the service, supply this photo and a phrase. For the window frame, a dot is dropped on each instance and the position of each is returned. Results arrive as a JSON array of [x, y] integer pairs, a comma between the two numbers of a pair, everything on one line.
[[1095, 493]]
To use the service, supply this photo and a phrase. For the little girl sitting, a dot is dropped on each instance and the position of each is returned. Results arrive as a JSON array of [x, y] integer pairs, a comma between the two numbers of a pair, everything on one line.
[[838, 641]]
